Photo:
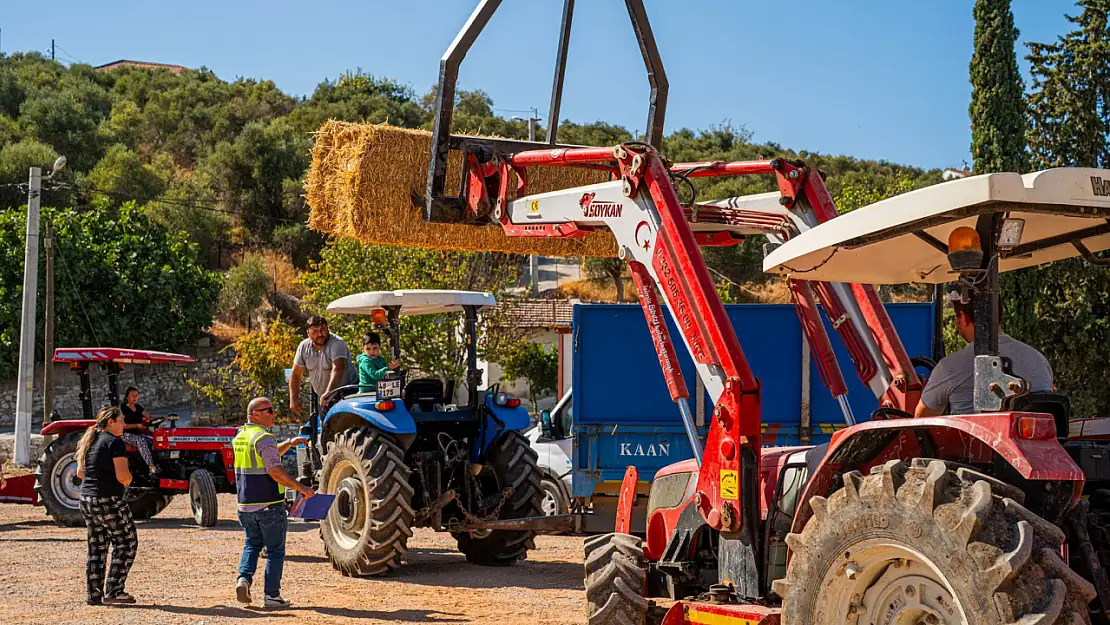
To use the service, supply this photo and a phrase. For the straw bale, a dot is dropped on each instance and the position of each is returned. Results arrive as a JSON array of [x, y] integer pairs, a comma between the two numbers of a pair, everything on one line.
[[363, 178]]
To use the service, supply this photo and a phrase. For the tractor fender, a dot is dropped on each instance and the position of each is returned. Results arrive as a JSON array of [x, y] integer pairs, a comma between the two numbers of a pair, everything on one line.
[[65, 426], [497, 421], [1036, 457], [363, 411]]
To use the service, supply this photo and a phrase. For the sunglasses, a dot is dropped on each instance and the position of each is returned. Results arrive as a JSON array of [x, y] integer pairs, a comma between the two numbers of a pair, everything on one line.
[[269, 409]]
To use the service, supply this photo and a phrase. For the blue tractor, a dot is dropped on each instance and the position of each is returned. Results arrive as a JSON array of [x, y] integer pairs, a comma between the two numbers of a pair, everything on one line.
[[407, 454]]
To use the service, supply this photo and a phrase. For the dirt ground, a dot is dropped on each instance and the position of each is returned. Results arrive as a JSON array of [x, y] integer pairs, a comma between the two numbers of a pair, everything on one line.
[[185, 575]]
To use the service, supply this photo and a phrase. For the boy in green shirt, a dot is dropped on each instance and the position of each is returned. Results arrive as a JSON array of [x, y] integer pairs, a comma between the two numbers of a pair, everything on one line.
[[372, 366]]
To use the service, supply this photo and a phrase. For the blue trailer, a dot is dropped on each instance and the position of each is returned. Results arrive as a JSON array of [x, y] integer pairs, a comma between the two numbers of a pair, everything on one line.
[[623, 415]]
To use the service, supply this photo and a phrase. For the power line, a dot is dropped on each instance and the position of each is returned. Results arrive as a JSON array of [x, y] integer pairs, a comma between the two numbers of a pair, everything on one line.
[[67, 53], [161, 200]]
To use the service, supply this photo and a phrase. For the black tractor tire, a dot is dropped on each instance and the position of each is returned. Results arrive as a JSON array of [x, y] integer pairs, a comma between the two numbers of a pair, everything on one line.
[[367, 530], [202, 498], [148, 505], [933, 543], [513, 463], [58, 464], [616, 580]]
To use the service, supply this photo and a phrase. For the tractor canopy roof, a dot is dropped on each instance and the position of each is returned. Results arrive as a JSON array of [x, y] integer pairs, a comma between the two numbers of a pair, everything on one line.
[[412, 302], [904, 238], [116, 354]]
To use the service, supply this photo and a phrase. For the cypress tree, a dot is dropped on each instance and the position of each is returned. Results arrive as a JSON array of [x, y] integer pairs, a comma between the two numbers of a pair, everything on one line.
[[997, 108]]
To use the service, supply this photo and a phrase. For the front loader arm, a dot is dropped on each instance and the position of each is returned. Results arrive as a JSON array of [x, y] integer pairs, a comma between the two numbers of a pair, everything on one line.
[[645, 216]]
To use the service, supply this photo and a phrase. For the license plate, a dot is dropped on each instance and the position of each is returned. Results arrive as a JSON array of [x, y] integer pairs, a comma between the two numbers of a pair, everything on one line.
[[389, 389]]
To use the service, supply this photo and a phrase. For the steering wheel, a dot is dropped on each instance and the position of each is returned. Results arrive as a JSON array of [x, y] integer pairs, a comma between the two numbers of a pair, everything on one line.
[[924, 362], [327, 399], [882, 413]]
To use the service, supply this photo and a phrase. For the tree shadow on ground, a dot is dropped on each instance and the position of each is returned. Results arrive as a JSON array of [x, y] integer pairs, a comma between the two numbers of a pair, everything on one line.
[[407, 616], [222, 525], [441, 567], [43, 539], [19, 525]]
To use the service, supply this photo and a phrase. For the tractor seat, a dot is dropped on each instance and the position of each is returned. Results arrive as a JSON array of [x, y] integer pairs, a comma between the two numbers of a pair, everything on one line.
[[424, 394], [1055, 404]]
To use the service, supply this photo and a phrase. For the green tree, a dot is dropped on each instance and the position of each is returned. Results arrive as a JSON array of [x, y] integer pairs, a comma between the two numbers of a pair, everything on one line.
[[607, 269], [430, 343], [251, 173], [244, 289], [16, 160], [997, 107], [1063, 306], [534, 364], [1069, 105], [121, 281], [359, 97], [121, 175]]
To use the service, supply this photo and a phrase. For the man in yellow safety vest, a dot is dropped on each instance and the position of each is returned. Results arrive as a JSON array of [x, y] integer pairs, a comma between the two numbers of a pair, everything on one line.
[[260, 482]]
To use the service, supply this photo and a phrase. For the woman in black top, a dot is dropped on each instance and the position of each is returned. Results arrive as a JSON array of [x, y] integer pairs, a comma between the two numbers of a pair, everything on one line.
[[102, 467], [133, 415]]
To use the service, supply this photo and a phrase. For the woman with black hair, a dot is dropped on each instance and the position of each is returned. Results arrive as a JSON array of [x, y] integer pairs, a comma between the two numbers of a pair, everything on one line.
[[102, 468], [133, 415]]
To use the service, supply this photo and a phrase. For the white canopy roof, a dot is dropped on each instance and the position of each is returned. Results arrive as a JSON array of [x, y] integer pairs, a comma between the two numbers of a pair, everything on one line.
[[412, 302], [889, 242]]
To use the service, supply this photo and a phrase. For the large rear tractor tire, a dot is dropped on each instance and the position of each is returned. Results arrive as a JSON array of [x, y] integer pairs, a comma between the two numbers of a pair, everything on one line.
[[928, 543], [202, 498], [616, 580], [367, 530], [513, 464], [56, 481]]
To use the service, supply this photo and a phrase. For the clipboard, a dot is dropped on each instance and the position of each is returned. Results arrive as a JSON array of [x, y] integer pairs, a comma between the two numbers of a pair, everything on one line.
[[314, 509]]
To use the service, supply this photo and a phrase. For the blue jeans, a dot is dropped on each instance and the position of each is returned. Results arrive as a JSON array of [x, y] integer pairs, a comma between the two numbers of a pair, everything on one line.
[[265, 528]]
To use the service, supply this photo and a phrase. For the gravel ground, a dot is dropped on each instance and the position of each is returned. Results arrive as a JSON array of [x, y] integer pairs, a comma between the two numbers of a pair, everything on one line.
[[185, 575]]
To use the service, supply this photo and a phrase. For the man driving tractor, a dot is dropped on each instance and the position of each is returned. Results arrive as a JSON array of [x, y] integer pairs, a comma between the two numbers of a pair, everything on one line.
[[327, 360], [952, 382]]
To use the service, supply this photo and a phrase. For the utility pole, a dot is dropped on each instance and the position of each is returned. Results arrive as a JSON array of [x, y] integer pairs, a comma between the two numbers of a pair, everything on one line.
[[51, 49], [26, 381], [48, 351], [27, 330], [534, 260]]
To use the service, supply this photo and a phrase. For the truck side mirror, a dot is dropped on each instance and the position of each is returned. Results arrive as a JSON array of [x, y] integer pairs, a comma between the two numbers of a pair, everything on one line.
[[545, 425]]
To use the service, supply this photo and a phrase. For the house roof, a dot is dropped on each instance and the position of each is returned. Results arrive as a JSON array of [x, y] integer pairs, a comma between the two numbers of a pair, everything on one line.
[[107, 67], [538, 313]]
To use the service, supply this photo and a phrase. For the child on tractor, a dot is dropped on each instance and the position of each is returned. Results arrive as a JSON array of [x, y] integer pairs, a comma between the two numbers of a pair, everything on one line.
[[372, 366]]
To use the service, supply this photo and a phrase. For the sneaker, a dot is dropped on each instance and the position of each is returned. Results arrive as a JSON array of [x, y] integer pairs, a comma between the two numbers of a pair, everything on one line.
[[276, 602], [243, 590], [94, 602], [119, 599]]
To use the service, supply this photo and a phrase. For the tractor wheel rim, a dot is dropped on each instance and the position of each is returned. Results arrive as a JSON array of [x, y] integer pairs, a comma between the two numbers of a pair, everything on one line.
[[349, 512], [194, 500], [884, 583], [550, 505], [63, 481]]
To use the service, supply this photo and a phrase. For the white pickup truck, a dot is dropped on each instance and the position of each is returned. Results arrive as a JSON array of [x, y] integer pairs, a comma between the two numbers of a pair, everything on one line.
[[551, 439]]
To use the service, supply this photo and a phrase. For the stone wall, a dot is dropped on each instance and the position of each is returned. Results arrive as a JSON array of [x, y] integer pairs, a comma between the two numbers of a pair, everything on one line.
[[160, 386]]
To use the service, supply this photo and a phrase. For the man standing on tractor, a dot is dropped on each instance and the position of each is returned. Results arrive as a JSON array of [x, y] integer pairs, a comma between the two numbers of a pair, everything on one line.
[[260, 482], [328, 362], [952, 382]]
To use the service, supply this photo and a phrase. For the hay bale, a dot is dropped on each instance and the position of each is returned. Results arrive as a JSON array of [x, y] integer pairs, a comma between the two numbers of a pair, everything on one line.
[[363, 177]]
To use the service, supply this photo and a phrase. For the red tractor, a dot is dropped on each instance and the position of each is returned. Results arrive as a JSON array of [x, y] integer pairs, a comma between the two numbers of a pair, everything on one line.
[[990, 518], [197, 461]]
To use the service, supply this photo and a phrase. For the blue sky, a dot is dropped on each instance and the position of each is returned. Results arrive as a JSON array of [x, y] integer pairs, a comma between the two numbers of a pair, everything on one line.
[[868, 78]]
